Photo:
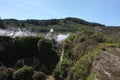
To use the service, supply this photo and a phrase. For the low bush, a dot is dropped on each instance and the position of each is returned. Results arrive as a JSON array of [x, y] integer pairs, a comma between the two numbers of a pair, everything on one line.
[[49, 55], [24, 73], [38, 76], [6, 73]]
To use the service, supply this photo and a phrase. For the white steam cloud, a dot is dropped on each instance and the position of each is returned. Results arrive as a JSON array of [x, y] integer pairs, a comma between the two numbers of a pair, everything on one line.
[[61, 37], [16, 32], [58, 37], [51, 30]]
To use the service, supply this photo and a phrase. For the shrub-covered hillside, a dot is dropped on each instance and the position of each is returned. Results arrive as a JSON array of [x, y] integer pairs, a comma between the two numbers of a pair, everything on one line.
[[68, 24], [91, 52], [76, 58], [80, 53]]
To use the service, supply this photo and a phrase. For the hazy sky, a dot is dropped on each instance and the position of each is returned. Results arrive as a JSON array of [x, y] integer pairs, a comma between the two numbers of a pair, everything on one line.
[[103, 11]]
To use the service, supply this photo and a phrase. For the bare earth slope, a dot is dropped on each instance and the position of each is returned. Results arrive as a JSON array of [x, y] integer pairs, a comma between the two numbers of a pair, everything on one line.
[[107, 65]]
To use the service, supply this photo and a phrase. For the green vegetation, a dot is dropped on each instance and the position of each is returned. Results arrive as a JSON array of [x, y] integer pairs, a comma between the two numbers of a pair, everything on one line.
[[23, 73], [80, 51], [38, 53], [6, 73], [48, 54], [68, 24], [38, 76], [35, 58], [92, 75], [112, 45]]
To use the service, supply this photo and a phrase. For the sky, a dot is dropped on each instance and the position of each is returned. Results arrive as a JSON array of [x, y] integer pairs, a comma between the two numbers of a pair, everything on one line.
[[101, 11]]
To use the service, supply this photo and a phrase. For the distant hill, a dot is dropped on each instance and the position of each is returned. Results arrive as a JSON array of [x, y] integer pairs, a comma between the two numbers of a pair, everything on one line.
[[67, 24]]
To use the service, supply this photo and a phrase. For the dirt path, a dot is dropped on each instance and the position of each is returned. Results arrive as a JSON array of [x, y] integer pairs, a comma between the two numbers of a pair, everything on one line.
[[62, 52], [50, 77]]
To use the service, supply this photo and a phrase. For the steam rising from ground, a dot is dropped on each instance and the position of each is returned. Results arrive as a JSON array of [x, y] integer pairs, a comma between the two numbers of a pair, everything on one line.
[[61, 37], [16, 32], [58, 37], [51, 30]]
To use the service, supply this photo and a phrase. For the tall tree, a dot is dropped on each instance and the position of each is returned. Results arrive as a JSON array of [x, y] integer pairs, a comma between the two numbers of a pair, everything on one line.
[[1, 24]]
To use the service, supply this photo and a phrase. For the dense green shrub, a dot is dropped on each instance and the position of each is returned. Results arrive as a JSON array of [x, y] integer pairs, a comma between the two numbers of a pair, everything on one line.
[[5, 45], [81, 69], [5, 41], [98, 37], [38, 76], [62, 69], [88, 32], [24, 73], [49, 56], [78, 55], [25, 46], [37, 52], [6, 73], [18, 48], [1, 24]]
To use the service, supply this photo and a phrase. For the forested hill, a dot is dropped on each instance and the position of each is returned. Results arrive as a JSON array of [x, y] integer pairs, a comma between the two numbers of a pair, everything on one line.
[[66, 24]]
